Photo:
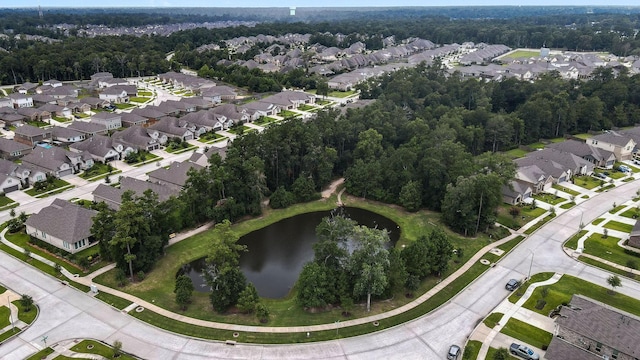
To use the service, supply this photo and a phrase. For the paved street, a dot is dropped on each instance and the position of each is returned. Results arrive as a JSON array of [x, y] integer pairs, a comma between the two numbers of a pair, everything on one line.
[[68, 313]]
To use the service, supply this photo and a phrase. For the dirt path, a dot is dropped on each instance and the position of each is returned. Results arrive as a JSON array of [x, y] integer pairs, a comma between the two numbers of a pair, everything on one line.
[[326, 193]]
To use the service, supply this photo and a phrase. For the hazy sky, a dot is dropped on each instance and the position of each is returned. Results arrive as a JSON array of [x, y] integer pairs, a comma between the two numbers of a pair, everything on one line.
[[303, 3]]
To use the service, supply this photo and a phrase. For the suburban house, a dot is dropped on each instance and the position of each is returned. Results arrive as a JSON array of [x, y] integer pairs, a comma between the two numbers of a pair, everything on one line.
[[113, 196], [109, 120], [95, 78], [9, 182], [56, 110], [66, 135], [258, 109], [26, 88], [30, 135], [21, 100], [32, 114], [634, 237], [599, 157], [175, 176], [140, 138], [11, 150], [64, 225], [516, 192], [199, 102], [206, 120], [150, 113], [587, 329], [290, 99], [232, 112], [95, 103], [57, 161], [218, 94], [114, 94], [107, 82], [172, 127], [620, 145], [102, 148], [131, 119], [88, 129], [202, 158]]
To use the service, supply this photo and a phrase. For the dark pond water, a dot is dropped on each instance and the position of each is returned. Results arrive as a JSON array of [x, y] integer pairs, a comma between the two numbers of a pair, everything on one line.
[[277, 253]]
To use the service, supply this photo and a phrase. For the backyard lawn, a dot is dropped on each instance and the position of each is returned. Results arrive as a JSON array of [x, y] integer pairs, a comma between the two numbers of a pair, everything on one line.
[[341, 94], [516, 153], [522, 54]]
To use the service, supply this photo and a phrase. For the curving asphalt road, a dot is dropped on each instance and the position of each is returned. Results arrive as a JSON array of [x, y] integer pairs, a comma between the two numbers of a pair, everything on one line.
[[68, 313]]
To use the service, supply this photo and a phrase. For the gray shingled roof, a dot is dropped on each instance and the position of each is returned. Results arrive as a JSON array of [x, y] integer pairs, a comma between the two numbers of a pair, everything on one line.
[[612, 138], [140, 186], [29, 131], [175, 174], [86, 127], [64, 220], [10, 146], [560, 349], [609, 326]]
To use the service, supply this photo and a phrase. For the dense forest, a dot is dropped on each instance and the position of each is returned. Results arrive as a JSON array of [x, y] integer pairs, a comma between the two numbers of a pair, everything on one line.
[[77, 58]]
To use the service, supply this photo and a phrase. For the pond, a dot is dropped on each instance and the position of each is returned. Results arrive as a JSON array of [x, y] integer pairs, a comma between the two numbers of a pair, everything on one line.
[[277, 253]]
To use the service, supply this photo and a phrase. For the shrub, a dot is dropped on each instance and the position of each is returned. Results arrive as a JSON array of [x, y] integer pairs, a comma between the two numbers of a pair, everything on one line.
[[540, 304], [141, 275]]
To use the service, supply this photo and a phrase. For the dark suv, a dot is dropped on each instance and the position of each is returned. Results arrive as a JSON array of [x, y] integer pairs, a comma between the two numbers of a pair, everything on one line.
[[512, 285]]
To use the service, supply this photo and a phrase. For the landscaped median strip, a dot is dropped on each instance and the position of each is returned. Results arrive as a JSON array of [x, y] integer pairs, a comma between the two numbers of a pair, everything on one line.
[[429, 301]]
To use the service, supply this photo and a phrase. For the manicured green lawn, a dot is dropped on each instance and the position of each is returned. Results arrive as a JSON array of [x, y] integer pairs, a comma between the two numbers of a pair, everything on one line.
[[25, 316], [606, 187], [124, 106], [471, 350], [606, 267], [562, 291], [177, 149], [566, 190], [548, 198], [98, 348], [341, 94], [139, 99], [516, 153], [305, 107], [492, 320], [515, 296], [614, 174], [616, 225], [160, 281], [323, 102], [4, 316], [598, 221], [616, 209], [573, 242], [287, 114], [57, 184], [115, 301], [22, 239], [526, 215], [265, 120], [2, 289], [9, 333], [4, 201], [522, 54], [587, 182], [631, 213], [568, 205], [537, 225], [608, 249], [506, 247], [97, 169], [41, 354], [527, 333], [144, 93], [583, 136]]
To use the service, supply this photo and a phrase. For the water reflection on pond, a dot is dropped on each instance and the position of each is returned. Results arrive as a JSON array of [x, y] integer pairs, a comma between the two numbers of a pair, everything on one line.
[[278, 252]]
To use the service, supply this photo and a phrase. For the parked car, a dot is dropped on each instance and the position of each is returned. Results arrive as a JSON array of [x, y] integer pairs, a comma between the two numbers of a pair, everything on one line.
[[512, 284], [454, 352], [523, 352], [600, 175], [624, 168]]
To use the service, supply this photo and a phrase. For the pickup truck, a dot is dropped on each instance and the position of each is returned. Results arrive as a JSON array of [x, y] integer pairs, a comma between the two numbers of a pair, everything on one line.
[[523, 352]]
